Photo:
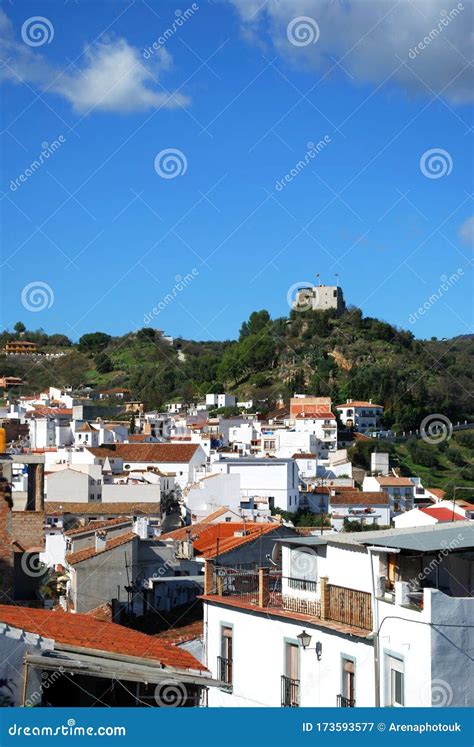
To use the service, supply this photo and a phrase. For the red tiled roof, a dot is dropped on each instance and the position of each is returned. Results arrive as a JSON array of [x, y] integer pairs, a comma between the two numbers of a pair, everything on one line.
[[442, 514], [87, 632], [402, 482], [96, 509], [315, 415], [304, 456], [359, 498], [437, 492], [43, 410], [208, 548], [147, 452], [211, 539], [91, 552], [93, 525], [359, 403]]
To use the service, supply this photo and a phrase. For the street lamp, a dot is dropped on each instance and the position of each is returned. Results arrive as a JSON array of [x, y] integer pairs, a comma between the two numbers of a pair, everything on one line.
[[304, 639]]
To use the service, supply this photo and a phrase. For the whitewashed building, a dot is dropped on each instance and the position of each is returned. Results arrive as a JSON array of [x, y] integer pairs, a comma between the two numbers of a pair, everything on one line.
[[400, 490], [361, 415], [353, 620], [274, 482]]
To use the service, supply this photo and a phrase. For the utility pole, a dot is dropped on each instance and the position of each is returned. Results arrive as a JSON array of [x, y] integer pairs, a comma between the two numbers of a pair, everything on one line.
[[458, 487]]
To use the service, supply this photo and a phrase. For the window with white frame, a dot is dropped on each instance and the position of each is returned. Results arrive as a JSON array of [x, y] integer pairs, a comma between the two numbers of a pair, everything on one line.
[[395, 681]]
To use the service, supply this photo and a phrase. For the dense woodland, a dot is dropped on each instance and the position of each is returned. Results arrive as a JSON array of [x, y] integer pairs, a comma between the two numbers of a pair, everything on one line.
[[309, 352]]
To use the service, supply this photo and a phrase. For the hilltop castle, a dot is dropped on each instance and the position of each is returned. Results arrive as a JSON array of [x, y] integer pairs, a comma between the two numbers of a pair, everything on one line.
[[320, 298]]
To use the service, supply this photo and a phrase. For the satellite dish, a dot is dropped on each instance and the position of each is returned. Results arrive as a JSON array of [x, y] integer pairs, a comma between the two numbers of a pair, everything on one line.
[[276, 554]]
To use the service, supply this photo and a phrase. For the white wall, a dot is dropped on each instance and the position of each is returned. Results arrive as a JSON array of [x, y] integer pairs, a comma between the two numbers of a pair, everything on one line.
[[14, 644], [259, 642], [217, 490], [266, 477], [131, 493]]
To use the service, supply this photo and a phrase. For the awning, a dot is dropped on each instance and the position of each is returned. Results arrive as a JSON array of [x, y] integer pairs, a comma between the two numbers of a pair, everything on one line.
[[71, 662]]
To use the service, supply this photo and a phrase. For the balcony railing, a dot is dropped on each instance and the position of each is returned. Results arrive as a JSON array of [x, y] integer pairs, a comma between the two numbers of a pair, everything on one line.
[[290, 692], [302, 584], [265, 588], [343, 702], [224, 670]]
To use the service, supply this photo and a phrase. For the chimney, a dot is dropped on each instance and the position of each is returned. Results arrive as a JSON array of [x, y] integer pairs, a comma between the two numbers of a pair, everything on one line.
[[100, 540]]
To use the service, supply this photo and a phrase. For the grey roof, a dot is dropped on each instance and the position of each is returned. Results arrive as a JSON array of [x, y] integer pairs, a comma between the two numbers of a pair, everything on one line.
[[456, 536]]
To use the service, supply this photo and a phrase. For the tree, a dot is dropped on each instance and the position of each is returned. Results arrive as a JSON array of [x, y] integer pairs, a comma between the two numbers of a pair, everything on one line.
[[258, 321], [146, 334], [94, 342], [19, 328], [132, 425], [103, 363]]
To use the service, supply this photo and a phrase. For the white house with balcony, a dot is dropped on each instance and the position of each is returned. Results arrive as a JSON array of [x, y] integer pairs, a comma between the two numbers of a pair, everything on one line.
[[323, 426], [400, 490], [361, 415], [352, 620]]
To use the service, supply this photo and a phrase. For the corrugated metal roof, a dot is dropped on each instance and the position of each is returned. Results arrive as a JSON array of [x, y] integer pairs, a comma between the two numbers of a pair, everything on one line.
[[460, 536]]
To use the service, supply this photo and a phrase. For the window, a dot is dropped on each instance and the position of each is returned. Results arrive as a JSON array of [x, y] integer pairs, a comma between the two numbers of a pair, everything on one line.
[[348, 682], [395, 673], [225, 660], [290, 682]]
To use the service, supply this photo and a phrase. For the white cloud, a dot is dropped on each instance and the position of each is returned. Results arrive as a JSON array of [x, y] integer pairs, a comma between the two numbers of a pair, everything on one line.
[[109, 76], [466, 231], [373, 37]]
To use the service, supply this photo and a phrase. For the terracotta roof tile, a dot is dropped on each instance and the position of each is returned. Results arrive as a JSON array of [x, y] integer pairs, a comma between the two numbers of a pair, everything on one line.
[[359, 498], [179, 453], [396, 482], [359, 403], [90, 552], [97, 509], [87, 632], [93, 525]]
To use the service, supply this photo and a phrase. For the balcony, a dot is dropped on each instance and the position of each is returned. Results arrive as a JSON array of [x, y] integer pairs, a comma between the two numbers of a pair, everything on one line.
[[224, 670], [343, 702], [267, 589], [290, 692]]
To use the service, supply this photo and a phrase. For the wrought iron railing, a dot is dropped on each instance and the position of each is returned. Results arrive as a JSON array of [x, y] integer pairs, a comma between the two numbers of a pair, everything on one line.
[[302, 584], [343, 702], [290, 692], [224, 670]]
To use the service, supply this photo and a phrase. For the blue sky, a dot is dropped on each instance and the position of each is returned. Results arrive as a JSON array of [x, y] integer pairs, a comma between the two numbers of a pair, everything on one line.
[[109, 238]]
